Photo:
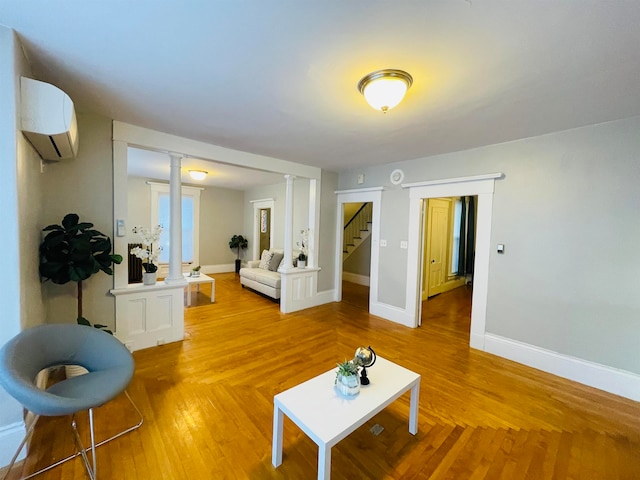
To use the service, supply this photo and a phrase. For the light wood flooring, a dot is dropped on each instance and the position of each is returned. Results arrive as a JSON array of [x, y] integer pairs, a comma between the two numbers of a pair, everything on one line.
[[208, 402]]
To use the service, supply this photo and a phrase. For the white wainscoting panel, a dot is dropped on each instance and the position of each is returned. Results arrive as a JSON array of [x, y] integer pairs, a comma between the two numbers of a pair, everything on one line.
[[147, 316]]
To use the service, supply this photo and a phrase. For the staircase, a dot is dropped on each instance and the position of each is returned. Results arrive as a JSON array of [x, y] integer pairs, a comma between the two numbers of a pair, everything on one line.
[[357, 230]]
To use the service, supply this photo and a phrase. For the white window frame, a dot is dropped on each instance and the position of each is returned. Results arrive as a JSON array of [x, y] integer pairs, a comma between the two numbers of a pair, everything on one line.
[[156, 189]]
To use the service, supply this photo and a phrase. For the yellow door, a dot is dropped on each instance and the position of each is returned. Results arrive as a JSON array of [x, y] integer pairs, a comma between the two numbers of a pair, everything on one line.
[[437, 242]]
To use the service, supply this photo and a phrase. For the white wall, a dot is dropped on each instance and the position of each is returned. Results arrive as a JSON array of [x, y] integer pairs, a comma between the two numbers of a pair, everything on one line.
[[83, 185], [278, 193], [327, 231], [221, 217], [567, 212], [20, 198], [359, 262]]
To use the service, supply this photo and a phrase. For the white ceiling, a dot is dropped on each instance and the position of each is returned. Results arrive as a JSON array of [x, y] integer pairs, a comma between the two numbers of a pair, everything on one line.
[[278, 78]]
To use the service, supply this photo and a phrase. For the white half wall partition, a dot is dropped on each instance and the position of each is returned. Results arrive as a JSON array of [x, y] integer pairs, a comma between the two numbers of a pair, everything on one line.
[[300, 285], [135, 304]]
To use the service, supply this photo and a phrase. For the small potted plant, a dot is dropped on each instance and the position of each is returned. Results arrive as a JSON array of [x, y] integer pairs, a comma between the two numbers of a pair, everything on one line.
[[238, 242], [347, 381], [73, 252], [195, 271]]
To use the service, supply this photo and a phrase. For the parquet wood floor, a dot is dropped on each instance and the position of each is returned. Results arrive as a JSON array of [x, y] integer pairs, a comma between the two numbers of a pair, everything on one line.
[[208, 402]]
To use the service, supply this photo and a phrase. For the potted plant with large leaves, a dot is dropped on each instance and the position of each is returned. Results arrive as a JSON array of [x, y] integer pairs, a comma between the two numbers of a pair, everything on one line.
[[237, 243], [73, 252]]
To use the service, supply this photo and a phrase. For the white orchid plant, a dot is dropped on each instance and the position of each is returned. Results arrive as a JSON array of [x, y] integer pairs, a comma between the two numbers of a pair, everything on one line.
[[146, 253], [303, 244]]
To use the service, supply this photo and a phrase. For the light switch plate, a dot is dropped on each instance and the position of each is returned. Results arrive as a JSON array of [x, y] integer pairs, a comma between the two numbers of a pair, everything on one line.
[[383, 243], [361, 179], [501, 248], [403, 244]]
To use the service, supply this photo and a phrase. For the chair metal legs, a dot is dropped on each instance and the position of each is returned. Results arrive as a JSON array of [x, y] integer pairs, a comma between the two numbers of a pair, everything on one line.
[[82, 452]]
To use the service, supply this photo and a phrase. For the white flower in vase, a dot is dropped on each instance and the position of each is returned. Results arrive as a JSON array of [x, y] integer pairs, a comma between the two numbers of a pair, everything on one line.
[[147, 253]]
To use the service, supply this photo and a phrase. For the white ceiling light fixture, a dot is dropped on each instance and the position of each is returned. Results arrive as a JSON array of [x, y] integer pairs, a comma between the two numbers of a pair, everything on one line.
[[384, 89], [198, 174]]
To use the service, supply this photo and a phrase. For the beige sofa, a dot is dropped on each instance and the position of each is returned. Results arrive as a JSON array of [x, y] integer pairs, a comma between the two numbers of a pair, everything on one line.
[[260, 280], [262, 275]]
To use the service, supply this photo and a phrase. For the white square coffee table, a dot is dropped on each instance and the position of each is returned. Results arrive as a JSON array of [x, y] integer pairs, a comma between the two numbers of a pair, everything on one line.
[[197, 281], [327, 416]]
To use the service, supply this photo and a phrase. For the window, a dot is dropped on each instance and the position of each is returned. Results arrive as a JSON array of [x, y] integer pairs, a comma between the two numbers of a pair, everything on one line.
[[455, 244], [160, 215]]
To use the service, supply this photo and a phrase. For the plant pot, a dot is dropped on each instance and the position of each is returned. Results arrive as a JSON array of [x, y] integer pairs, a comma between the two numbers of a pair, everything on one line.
[[302, 263], [238, 264], [348, 385], [149, 278]]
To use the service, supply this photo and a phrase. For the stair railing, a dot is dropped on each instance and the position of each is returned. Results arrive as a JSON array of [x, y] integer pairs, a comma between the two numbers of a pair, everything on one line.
[[356, 224]]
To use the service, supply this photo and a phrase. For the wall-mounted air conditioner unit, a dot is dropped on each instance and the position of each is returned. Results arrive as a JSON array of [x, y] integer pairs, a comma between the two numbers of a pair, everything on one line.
[[48, 120]]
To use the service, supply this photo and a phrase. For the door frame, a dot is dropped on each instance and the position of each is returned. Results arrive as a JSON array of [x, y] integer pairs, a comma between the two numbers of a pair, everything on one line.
[[257, 206], [483, 187], [361, 195]]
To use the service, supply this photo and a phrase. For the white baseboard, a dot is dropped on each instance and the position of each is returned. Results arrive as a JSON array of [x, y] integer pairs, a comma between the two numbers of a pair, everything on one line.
[[327, 296], [355, 278], [10, 438], [612, 380], [320, 298], [395, 314], [476, 341], [224, 268]]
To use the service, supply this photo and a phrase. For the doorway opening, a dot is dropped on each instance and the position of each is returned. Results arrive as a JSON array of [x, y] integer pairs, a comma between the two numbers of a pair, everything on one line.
[[356, 252], [448, 253], [265, 229], [366, 198], [481, 186], [263, 216]]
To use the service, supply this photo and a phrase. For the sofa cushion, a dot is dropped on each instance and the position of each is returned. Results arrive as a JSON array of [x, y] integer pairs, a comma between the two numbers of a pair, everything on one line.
[[265, 259], [275, 261]]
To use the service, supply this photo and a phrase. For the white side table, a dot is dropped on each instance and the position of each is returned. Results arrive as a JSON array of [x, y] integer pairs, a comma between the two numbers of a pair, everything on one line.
[[197, 281], [327, 416]]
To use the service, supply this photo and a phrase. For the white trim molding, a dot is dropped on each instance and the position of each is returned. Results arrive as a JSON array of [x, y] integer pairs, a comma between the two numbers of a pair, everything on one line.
[[449, 181], [482, 186], [612, 380], [389, 312], [267, 203], [374, 196]]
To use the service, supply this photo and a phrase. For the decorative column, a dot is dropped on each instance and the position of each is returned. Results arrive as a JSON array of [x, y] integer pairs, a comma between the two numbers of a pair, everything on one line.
[[314, 222], [175, 221], [288, 223]]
